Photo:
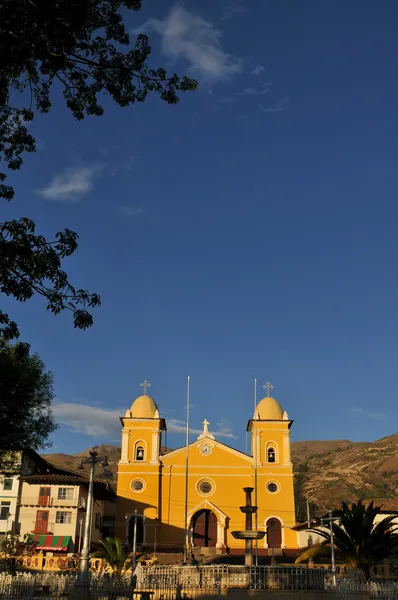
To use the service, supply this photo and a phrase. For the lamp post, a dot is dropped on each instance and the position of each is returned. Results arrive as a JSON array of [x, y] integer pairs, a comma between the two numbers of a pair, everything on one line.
[[92, 461], [155, 536], [330, 519], [81, 520], [135, 515]]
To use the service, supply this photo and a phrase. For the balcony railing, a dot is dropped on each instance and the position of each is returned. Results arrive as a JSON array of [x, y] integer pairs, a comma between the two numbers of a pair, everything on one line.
[[41, 527], [29, 500]]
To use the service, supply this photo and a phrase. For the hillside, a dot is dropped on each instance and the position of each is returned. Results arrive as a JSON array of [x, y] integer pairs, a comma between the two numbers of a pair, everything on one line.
[[326, 472]]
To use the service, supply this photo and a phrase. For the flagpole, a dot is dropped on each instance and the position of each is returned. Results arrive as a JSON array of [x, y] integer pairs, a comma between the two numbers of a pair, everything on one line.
[[255, 466], [186, 470]]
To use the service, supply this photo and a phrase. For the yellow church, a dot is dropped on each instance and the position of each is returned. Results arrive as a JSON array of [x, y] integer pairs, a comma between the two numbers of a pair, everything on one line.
[[202, 487]]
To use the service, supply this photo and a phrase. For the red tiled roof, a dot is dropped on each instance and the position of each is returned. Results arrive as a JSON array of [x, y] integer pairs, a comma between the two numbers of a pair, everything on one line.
[[387, 505], [102, 490]]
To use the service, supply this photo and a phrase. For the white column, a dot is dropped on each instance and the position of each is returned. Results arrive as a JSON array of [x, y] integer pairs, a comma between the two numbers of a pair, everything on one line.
[[124, 458], [286, 449], [258, 448], [220, 534], [155, 448]]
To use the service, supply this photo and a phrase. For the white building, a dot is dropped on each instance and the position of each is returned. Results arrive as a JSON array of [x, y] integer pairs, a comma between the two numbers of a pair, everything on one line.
[[53, 511], [388, 507], [13, 465]]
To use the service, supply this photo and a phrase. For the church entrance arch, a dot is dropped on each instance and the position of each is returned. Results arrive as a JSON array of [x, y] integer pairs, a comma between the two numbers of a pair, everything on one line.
[[274, 533], [204, 529]]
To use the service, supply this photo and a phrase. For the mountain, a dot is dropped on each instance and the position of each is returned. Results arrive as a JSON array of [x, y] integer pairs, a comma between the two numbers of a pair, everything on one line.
[[72, 462], [326, 472]]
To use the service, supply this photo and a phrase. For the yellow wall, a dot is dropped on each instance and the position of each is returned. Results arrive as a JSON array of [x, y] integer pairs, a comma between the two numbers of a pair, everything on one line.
[[228, 470]]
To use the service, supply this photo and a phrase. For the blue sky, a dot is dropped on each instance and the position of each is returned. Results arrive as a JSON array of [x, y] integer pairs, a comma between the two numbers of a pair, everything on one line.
[[250, 231]]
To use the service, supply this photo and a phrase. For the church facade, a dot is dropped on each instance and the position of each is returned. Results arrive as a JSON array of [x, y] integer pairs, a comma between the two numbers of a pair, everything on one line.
[[153, 483]]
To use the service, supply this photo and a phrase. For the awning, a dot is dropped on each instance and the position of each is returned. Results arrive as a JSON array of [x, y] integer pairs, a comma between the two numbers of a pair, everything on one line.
[[58, 543]]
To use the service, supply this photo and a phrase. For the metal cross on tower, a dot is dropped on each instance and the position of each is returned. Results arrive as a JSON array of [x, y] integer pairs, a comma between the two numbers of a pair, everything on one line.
[[145, 385], [268, 386]]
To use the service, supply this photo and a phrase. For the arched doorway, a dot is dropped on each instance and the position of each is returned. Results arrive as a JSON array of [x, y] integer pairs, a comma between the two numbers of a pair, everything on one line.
[[204, 529], [274, 533]]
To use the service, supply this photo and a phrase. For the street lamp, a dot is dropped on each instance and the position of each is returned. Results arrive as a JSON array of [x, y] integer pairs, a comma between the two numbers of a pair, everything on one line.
[[92, 461], [136, 515], [330, 519]]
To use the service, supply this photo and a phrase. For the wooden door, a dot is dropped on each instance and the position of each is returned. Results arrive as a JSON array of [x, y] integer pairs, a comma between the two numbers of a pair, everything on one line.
[[211, 529], [44, 496], [41, 521], [199, 530], [274, 533], [205, 529]]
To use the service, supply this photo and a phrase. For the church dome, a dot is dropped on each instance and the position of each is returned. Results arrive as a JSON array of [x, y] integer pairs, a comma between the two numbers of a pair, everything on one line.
[[144, 407], [269, 409]]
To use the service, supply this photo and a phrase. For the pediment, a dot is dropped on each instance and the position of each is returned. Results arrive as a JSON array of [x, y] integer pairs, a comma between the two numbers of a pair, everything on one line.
[[216, 457], [207, 505]]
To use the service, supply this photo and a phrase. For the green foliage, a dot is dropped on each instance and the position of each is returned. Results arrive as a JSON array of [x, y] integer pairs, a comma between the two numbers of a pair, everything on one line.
[[114, 552], [26, 391], [360, 541], [30, 264], [15, 549], [84, 47]]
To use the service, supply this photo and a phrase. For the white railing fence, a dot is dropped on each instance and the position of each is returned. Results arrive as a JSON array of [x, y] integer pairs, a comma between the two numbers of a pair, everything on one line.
[[181, 583]]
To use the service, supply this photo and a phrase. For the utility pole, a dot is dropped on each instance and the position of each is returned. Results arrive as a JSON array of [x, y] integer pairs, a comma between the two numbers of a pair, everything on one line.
[[80, 533], [135, 515], [331, 519], [309, 524], [92, 461], [186, 533]]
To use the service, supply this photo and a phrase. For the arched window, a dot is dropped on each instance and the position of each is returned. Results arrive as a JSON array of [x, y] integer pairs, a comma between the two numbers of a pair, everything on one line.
[[139, 453], [271, 457]]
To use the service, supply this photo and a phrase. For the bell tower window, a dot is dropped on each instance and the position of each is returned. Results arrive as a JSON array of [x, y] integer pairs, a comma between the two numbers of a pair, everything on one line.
[[139, 453], [271, 456]]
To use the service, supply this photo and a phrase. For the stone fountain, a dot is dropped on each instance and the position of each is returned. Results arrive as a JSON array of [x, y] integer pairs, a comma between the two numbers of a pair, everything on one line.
[[248, 534]]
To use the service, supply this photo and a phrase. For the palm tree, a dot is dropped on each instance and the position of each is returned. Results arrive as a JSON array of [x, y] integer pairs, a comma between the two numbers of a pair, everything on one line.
[[360, 542], [114, 551]]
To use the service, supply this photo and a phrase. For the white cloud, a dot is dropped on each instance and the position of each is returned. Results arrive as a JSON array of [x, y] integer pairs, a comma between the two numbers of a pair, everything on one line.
[[186, 35], [72, 184], [277, 107], [368, 414], [257, 70], [91, 420], [179, 426], [104, 423], [106, 150], [130, 211], [232, 11], [262, 91], [128, 164]]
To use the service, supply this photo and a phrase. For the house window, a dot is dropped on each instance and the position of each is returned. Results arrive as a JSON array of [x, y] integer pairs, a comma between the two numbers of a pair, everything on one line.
[[65, 493], [8, 483], [271, 455], [139, 453], [97, 520], [63, 516], [4, 510]]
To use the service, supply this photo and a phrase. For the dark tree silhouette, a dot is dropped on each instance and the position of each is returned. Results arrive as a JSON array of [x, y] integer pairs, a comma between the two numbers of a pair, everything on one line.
[[84, 46]]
